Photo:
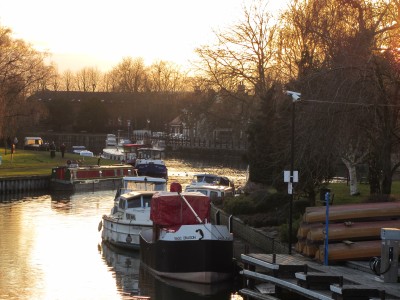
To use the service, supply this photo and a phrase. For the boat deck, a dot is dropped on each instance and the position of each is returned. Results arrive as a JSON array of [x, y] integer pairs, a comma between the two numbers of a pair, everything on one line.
[[300, 276]]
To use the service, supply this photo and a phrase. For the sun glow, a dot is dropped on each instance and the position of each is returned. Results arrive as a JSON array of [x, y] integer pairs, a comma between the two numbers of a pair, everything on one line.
[[100, 33]]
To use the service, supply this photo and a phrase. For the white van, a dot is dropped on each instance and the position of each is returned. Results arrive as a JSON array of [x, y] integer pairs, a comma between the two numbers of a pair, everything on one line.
[[33, 143]]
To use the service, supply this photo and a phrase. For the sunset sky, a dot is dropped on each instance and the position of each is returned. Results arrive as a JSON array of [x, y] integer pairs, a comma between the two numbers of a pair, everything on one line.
[[99, 33]]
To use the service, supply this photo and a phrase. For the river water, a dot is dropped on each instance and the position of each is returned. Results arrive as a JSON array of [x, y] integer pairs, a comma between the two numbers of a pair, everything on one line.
[[50, 248]]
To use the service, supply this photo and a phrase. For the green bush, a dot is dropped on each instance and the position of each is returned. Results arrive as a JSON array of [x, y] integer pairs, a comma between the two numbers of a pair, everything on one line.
[[284, 230], [258, 202], [271, 201], [239, 205], [299, 206]]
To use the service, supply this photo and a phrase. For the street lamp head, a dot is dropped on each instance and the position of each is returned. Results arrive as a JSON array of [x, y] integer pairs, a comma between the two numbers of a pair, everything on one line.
[[295, 95]]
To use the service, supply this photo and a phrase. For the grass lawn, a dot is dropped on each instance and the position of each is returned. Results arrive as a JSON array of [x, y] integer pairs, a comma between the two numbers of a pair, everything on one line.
[[342, 195], [28, 162]]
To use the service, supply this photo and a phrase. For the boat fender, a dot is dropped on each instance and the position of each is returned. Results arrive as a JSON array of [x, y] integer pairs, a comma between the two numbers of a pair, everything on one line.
[[129, 239], [199, 231], [100, 225]]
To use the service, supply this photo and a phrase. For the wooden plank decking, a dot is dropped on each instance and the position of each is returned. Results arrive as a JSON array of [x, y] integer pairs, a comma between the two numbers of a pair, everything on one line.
[[334, 282]]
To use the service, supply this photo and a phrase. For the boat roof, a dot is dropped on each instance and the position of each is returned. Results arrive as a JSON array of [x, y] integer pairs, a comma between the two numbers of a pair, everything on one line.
[[151, 149], [144, 179], [208, 187], [73, 165], [211, 176], [133, 145], [138, 193]]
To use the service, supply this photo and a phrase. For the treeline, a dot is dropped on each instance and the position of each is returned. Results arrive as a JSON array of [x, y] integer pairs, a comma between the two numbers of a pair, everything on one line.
[[341, 55]]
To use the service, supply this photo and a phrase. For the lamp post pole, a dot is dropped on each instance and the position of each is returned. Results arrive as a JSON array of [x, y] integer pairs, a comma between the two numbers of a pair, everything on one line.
[[291, 178], [295, 98]]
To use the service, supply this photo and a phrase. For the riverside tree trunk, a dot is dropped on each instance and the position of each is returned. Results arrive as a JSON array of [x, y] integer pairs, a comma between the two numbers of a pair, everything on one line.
[[351, 167]]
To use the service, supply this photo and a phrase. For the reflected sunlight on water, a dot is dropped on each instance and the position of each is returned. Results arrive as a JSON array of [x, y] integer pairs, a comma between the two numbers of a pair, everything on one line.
[[48, 252], [50, 248]]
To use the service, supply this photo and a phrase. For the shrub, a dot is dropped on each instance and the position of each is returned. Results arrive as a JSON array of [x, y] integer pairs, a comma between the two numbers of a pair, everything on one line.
[[299, 206], [239, 205], [284, 230]]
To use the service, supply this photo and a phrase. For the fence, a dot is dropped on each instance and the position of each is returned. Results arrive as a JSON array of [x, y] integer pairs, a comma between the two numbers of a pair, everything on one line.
[[97, 142], [251, 235]]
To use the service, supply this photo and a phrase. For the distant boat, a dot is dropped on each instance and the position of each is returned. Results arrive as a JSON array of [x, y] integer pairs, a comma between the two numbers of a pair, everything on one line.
[[75, 177], [212, 179], [182, 244], [150, 162], [126, 152], [217, 193]]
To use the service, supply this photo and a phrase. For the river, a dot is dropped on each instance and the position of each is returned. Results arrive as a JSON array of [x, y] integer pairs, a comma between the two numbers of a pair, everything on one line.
[[50, 248]]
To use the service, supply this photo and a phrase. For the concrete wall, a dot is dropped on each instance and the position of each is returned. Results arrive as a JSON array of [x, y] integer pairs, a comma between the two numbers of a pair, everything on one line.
[[13, 185]]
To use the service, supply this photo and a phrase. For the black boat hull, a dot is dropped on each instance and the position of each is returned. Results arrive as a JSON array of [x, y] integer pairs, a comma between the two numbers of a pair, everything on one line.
[[203, 261]]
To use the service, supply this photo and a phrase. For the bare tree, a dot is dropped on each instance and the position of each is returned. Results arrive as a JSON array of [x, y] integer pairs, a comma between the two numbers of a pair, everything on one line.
[[68, 80], [332, 46], [165, 76], [244, 53], [21, 70], [129, 75], [87, 79]]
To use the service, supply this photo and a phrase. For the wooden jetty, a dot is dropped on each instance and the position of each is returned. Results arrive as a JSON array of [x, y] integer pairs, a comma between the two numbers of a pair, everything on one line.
[[282, 276]]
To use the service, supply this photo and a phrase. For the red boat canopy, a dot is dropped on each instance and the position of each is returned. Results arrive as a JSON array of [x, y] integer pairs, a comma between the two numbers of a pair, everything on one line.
[[169, 209]]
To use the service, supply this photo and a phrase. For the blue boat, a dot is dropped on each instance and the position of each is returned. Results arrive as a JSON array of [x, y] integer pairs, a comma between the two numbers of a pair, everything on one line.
[[150, 162]]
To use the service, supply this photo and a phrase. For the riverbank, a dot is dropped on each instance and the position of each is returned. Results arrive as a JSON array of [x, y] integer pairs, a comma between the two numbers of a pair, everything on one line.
[[37, 163]]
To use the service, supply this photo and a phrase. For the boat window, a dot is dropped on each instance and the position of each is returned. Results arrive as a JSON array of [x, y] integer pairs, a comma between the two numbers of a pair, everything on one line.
[[141, 186], [204, 192], [213, 195], [121, 203], [134, 202], [159, 187], [209, 179], [130, 217], [147, 200]]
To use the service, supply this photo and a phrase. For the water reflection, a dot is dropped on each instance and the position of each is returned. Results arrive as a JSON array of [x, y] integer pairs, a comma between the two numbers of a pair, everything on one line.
[[22, 196], [167, 289], [48, 255], [134, 279], [49, 249], [126, 267]]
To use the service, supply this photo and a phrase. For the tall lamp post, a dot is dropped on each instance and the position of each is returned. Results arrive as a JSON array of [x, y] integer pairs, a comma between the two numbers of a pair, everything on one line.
[[293, 174]]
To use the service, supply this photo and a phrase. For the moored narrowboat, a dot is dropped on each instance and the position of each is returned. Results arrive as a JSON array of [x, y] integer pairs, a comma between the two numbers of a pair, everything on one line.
[[73, 177]]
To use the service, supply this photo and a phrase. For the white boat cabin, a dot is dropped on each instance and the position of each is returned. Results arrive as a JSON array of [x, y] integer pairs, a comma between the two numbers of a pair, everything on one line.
[[142, 183], [135, 200], [211, 179], [214, 192]]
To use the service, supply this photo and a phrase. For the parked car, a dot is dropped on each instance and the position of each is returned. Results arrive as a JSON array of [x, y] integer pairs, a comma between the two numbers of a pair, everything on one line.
[[77, 149], [81, 150]]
